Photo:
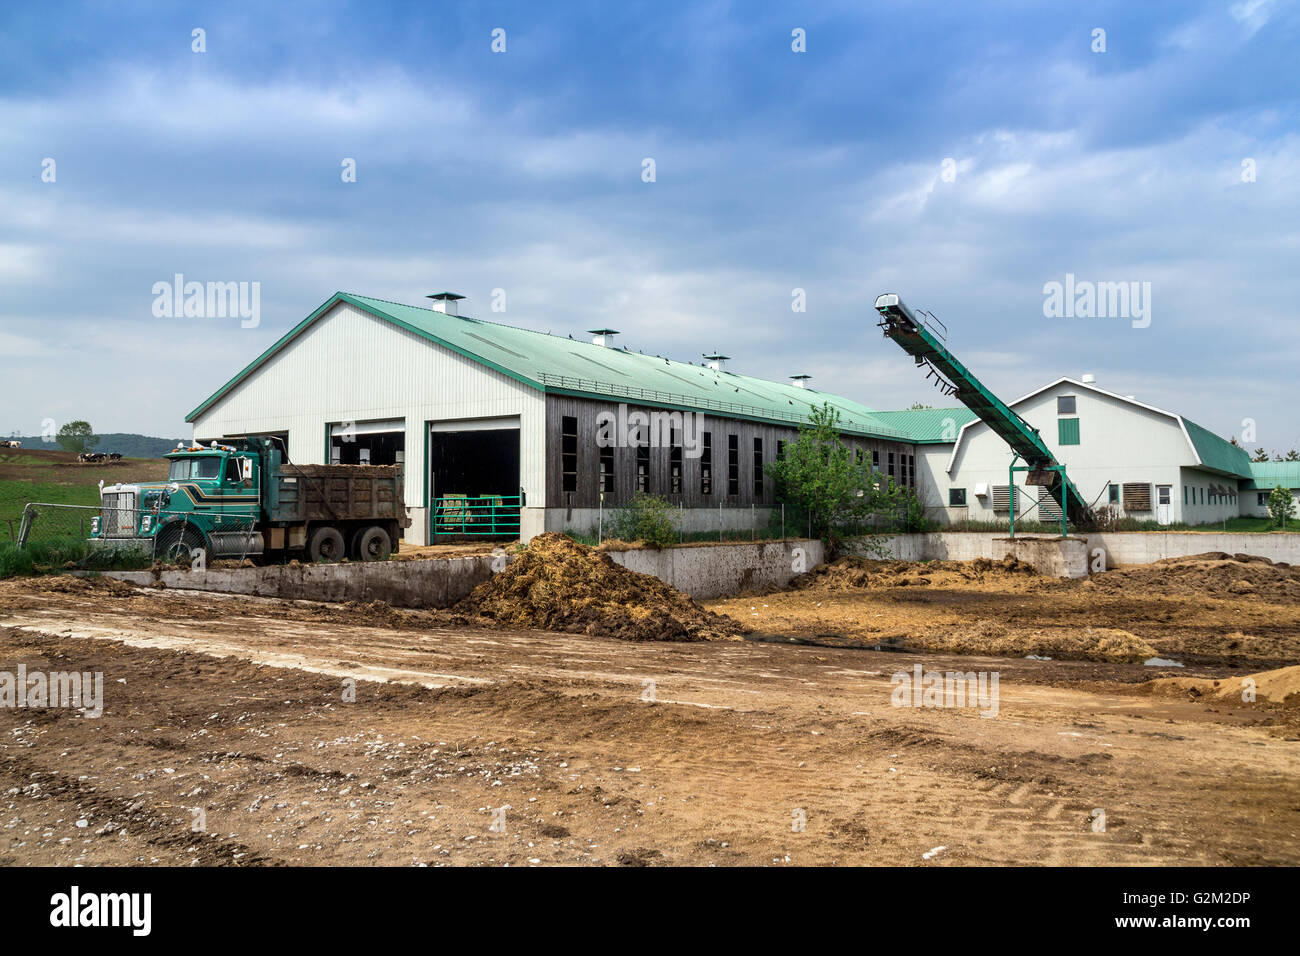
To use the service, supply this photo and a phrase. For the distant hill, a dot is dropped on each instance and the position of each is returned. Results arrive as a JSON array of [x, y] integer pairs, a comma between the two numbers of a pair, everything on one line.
[[122, 443]]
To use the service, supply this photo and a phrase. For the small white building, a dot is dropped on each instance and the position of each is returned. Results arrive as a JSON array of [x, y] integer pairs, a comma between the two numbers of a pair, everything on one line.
[[1142, 461], [1265, 476]]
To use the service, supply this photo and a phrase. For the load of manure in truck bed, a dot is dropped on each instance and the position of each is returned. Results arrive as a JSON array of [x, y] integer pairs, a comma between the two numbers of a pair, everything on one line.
[[557, 584]]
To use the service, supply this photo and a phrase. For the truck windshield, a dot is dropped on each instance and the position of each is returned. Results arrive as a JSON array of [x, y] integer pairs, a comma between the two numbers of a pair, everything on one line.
[[185, 468]]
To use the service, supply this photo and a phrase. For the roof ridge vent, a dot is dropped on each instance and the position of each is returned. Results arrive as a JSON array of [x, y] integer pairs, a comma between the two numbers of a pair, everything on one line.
[[447, 303]]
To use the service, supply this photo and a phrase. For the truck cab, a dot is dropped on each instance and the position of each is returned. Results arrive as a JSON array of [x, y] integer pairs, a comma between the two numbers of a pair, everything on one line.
[[210, 501]]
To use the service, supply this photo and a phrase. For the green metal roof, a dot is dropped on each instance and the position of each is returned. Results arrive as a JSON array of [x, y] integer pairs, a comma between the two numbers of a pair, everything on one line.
[[561, 365], [1270, 474], [1217, 454], [928, 426]]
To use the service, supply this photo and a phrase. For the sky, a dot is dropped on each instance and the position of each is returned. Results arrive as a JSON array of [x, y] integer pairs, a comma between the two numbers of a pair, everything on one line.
[[964, 156]]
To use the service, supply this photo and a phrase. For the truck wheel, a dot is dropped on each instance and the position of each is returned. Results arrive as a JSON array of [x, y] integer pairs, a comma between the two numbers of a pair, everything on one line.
[[372, 544], [175, 546], [325, 544]]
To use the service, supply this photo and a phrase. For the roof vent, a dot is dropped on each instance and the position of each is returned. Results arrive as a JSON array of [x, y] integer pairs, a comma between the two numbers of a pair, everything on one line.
[[717, 361], [446, 302], [602, 337], [1089, 378], [800, 381]]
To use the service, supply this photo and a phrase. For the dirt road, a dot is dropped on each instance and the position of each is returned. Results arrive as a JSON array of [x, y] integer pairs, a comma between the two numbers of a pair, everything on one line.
[[225, 739]]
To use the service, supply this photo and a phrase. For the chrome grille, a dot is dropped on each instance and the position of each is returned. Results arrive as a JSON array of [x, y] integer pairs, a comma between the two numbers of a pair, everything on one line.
[[119, 515]]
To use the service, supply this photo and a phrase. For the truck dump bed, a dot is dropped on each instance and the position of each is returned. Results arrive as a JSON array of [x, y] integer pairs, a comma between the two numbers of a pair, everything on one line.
[[337, 493]]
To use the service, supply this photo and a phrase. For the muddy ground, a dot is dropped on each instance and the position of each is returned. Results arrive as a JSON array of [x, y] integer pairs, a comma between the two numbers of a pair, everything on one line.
[[226, 739]]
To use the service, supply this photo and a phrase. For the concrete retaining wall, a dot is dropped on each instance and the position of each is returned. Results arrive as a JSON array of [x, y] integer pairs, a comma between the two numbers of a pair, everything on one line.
[[1057, 557], [1124, 547], [706, 571], [699, 570], [434, 583]]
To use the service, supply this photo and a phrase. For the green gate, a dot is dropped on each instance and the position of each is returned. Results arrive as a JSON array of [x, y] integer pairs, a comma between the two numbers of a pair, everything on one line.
[[480, 516]]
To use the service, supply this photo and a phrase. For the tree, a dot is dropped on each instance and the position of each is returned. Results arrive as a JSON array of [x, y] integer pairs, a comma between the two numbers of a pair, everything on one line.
[[1293, 455], [837, 488], [1260, 455], [77, 437], [1281, 506], [919, 407]]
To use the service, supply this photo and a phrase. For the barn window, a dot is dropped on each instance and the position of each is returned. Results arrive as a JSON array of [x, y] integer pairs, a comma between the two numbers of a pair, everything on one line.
[[1002, 499], [891, 464], [956, 497], [607, 469], [733, 464], [780, 451], [1049, 508], [675, 464], [706, 465], [875, 460], [569, 451], [758, 467], [1137, 496], [1065, 405], [1067, 431], [643, 468]]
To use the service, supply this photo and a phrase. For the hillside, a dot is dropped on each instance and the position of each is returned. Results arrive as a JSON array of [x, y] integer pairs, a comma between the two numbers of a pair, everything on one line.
[[56, 477], [126, 444]]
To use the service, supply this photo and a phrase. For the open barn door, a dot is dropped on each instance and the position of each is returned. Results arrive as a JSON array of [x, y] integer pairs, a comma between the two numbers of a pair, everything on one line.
[[474, 483]]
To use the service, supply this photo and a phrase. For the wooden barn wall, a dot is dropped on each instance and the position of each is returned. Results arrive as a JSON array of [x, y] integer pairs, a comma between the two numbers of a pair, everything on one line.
[[587, 493]]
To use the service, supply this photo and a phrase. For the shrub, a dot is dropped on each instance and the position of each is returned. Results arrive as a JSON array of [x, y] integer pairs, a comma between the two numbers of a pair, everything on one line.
[[1281, 506], [646, 518]]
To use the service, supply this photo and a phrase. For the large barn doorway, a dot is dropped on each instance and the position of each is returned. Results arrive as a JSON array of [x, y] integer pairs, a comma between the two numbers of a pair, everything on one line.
[[474, 478], [368, 443]]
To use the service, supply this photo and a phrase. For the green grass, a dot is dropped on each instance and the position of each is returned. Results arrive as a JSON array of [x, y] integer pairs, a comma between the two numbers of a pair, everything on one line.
[[40, 475], [58, 555]]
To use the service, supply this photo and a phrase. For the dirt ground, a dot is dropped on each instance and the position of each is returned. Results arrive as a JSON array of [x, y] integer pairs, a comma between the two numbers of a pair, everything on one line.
[[226, 739], [1207, 610]]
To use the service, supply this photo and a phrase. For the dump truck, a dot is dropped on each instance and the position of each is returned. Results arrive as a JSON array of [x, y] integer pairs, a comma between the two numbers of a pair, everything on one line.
[[243, 498]]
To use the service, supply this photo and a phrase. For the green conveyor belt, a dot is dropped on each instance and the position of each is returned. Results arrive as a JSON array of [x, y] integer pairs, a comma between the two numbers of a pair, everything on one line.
[[920, 340]]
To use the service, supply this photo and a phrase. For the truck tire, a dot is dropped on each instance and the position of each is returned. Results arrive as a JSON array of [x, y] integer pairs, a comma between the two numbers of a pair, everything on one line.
[[372, 544], [325, 544], [175, 546]]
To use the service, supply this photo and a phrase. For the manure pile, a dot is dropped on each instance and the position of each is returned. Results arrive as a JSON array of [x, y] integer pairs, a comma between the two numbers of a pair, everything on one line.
[[557, 584]]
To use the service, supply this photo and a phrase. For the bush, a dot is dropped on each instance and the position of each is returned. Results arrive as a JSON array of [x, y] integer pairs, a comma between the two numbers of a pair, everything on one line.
[[646, 518], [1281, 506]]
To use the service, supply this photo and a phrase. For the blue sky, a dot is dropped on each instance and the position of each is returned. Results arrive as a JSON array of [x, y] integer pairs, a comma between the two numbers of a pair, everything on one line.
[[774, 170]]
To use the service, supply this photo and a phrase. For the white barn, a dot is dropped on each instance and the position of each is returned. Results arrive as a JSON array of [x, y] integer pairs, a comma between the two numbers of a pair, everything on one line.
[[1145, 462]]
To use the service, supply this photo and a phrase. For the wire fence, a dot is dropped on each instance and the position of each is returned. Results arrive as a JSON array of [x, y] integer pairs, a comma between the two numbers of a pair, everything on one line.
[[117, 534]]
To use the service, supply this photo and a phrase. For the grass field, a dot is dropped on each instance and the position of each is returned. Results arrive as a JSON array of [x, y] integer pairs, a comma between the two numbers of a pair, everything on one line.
[[57, 478]]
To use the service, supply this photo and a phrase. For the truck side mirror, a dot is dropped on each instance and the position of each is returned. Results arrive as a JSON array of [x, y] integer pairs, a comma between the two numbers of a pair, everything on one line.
[[245, 469]]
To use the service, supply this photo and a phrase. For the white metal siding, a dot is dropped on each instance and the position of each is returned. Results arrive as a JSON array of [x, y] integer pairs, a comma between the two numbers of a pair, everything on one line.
[[350, 366], [1118, 442]]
